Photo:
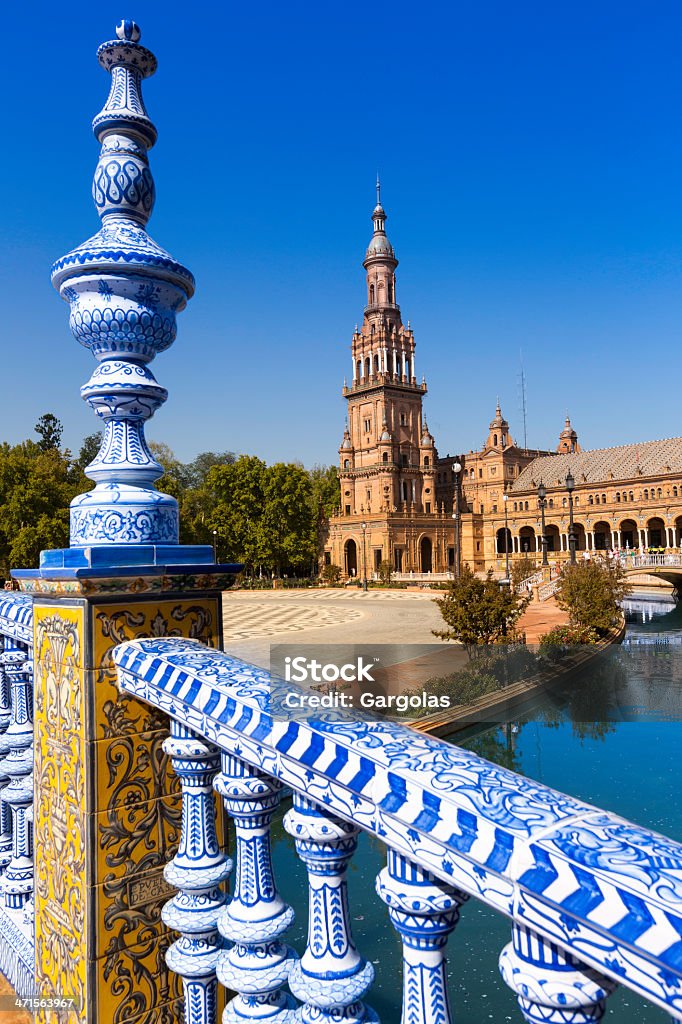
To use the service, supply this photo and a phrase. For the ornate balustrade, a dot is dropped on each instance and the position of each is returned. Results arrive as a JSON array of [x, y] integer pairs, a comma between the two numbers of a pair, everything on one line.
[[649, 560], [549, 589], [16, 791], [594, 901]]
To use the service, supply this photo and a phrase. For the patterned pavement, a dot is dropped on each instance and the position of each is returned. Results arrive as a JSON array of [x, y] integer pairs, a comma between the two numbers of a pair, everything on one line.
[[254, 619]]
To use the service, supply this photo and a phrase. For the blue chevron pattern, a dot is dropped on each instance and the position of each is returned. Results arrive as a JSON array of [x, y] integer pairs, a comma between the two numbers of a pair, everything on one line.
[[599, 887]]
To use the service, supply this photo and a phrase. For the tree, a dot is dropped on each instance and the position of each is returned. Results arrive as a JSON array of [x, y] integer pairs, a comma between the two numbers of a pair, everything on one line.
[[385, 570], [197, 470], [522, 569], [479, 611], [89, 449], [36, 487], [591, 593], [331, 574], [49, 429], [288, 533], [233, 502]]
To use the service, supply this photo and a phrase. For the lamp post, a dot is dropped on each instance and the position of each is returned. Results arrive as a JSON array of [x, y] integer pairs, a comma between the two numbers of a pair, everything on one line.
[[570, 485], [505, 499], [542, 502], [364, 555], [215, 546], [456, 469]]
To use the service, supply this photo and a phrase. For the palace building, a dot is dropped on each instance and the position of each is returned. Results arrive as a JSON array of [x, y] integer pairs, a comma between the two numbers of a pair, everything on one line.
[[404, 504]]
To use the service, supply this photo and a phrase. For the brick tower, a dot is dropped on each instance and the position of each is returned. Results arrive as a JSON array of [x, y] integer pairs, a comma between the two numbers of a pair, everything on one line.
[[388, 458]]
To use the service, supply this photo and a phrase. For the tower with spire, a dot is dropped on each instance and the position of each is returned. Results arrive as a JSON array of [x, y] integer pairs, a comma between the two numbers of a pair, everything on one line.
[[387, 456]]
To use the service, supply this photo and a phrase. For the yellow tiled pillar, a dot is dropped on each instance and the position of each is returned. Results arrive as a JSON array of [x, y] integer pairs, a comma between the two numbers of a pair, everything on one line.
[[107, 805]]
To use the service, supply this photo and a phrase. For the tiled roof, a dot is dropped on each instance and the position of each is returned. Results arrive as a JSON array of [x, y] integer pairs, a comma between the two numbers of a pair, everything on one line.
[[604, 465]]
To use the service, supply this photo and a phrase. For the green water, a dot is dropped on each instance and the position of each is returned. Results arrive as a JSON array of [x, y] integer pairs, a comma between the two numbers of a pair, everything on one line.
[[628, 767]]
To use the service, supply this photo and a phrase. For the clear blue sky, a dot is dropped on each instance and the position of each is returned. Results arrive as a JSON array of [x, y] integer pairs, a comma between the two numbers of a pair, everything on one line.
[[530, 157]]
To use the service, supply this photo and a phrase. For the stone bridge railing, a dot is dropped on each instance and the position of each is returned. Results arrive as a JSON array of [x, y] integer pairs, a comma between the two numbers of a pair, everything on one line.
[[16, 791], [650, 561], [594, 901]]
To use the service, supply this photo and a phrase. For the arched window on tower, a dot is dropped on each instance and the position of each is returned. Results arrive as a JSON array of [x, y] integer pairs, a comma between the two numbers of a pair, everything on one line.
[[390, 293], [408, 368], [426, 460], [495, 439], [359, 369], [376, 364], [385, 457], [346, 463], [371, 295], [368, 367]]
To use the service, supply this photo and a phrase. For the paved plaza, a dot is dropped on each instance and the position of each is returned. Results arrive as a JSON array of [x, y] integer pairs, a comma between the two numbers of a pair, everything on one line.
[[253, 620]]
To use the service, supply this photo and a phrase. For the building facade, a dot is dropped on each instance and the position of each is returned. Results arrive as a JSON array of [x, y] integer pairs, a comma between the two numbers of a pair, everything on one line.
[[404, 504]]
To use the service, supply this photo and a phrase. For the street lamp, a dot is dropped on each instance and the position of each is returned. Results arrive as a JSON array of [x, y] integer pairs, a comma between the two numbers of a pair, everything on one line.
[[570, 485], [542, 502], [505, 499], [364, 555], [456, 469], [215, 546]]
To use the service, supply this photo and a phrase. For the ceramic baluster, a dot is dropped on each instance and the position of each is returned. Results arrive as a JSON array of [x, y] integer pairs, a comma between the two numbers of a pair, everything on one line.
[[551, 986], [331, 977], [424, 911], [197, 870], [259, 963], [17, 881]]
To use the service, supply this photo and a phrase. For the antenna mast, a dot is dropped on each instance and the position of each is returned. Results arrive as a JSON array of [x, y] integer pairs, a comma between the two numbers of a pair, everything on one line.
[[524, 409]]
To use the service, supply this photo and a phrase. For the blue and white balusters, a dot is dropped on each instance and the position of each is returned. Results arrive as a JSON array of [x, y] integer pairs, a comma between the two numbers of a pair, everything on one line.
[[424, 911], [551, 986], [197, 870], [17, 880], [259, 963], [331, 977]]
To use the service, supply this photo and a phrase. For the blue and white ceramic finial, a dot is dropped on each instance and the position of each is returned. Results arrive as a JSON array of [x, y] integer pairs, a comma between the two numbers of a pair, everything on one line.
[[124, 291]]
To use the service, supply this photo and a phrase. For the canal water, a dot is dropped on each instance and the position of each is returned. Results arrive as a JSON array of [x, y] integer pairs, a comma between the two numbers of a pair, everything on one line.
[[572, 742]]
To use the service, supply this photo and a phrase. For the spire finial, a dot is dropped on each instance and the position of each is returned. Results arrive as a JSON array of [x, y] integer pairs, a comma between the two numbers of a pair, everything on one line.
[[378, 190]]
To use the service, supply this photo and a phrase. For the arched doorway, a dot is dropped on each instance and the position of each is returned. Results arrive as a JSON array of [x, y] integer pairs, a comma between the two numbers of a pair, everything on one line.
[[351, 553], [504, 546], [602, 536], [580, 537], [656, 533], [426, 553], [527, 540], [553, 538], [629, 535]]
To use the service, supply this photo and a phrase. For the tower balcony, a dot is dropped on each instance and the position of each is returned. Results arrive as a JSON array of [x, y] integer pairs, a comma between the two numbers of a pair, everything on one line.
[[376, 380], [378, 307]]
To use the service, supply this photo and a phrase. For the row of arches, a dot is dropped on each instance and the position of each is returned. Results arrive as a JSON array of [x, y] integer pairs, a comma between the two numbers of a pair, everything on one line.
[[398, 364], [353, 558], [600, 536]]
